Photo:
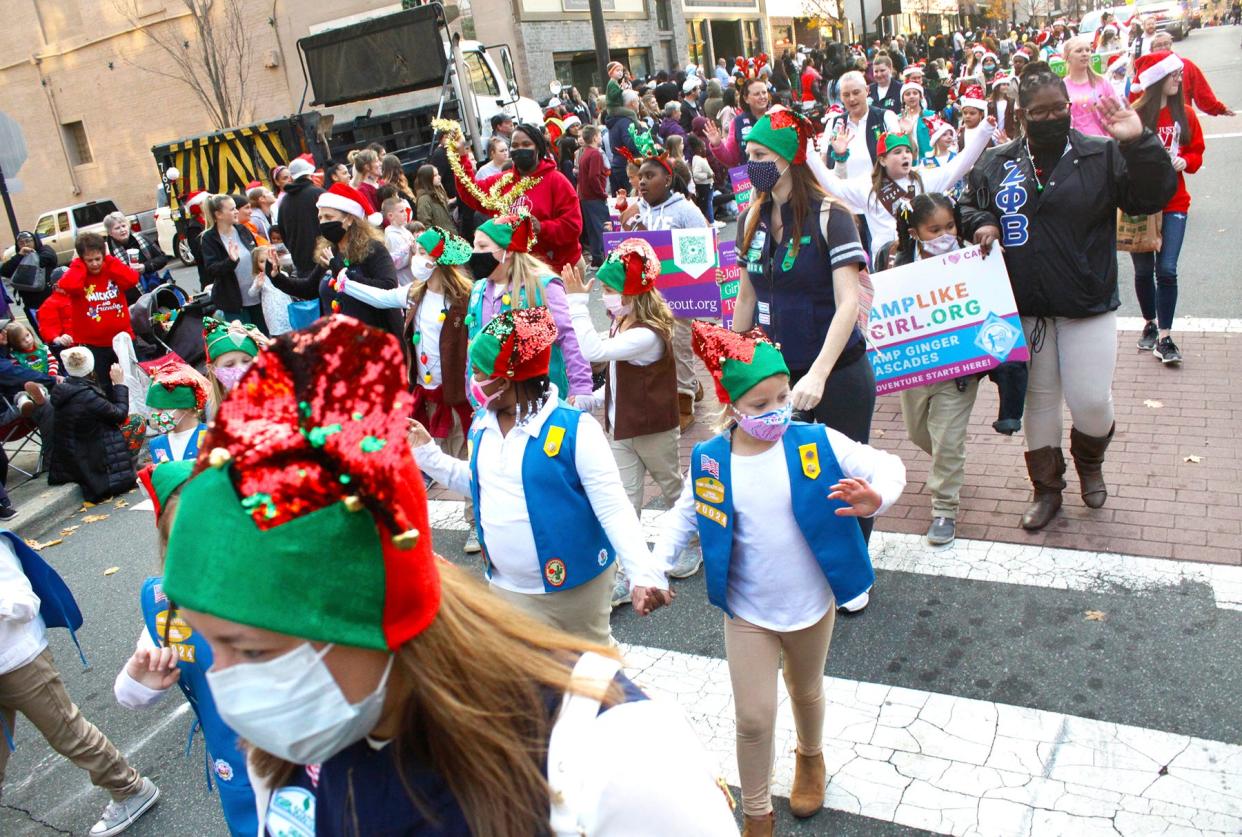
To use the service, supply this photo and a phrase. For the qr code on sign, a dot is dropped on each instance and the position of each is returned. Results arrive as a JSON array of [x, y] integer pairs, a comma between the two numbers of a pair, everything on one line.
[[692, 250]]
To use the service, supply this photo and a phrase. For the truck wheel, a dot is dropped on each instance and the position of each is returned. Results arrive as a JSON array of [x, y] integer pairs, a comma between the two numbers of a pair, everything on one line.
[[182, 247]]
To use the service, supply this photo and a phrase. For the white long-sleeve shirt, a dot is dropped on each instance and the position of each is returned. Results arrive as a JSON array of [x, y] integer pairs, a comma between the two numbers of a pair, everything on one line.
[[856, 192], [23, 636], [502, 499], [639, 346], [774, 580]]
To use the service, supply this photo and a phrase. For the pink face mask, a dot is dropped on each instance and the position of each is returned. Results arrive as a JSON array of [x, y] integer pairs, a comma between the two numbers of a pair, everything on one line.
[[228, 376], [480, 397]]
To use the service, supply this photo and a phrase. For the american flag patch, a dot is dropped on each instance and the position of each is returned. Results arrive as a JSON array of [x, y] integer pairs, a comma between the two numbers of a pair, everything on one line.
[[709, 465]]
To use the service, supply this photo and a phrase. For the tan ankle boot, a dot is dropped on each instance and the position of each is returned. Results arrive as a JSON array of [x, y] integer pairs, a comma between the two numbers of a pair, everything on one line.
[[759, 826], [807, 795]]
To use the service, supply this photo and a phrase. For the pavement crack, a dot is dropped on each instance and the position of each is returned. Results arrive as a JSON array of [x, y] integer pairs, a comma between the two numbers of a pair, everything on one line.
[[30, 815]]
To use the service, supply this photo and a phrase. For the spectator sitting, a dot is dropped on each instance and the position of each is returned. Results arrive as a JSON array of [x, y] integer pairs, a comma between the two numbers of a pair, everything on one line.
[[88, 447]]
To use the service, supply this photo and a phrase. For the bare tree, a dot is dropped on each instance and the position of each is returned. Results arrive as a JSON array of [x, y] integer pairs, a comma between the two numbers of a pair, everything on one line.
[[212, 59]]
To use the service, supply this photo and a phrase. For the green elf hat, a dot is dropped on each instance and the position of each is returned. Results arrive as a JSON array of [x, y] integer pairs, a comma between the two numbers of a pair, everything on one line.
[[176, 386], [888, 142], [631, 268], [516, 344], [736, 361], [513, 232], [306, 514], [445, 247], [160, 481], [783, 131], [221, 337]]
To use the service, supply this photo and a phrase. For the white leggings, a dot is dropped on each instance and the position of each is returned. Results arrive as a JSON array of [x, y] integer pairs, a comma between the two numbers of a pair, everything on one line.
[[1074, 359]]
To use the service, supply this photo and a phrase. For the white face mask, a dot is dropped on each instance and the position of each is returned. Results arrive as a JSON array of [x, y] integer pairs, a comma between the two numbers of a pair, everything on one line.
[[940, 245], [422, 269], [292, 707]]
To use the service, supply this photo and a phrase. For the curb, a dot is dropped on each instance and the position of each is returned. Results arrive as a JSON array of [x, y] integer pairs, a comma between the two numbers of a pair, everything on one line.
[[41, 506]]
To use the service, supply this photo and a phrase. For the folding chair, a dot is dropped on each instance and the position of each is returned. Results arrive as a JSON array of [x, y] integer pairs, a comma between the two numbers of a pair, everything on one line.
[[20, 435]]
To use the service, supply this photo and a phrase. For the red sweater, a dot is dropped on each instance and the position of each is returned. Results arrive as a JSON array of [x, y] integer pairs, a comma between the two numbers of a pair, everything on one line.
[[552, 201], [1199, 91], [592, 175], [1190, 149], [98, 301], [55, 316]]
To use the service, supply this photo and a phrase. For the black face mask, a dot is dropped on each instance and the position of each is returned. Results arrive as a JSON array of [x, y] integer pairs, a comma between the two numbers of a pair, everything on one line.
[[334, 231], [524, 159], [1048, 133], [483, 265]]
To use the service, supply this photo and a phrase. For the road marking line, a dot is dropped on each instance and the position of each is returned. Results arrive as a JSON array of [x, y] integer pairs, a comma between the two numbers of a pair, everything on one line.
[[1208, 325], [962, 766], [1010, 563]]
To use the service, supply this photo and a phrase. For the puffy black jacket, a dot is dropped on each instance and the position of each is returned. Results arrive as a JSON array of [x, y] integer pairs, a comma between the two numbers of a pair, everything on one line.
[[1061, 244], [376, 270], [88, 447], [299, 222]]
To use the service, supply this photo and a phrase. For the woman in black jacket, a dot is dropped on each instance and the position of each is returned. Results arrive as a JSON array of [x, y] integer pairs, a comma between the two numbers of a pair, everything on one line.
[[1051, 200], [88, 447], [227, 265], [357, 248], [29, 243]]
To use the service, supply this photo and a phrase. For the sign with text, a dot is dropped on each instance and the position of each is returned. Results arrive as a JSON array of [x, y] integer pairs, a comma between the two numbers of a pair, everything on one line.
[[740, 181], [941, 318], [687, 277], [728, 275]]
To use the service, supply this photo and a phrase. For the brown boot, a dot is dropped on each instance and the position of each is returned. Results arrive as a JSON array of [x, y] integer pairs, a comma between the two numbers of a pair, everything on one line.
[[759, 826], [1047, 469], [685, 405], [1088, 453], [806, 797]]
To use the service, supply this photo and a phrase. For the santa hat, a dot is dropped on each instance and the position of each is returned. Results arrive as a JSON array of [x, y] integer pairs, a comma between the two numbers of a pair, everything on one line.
[[77, 361], [888, 141], [515, 344], [160, 481], [736, 361], [301, 166], [445, 247], [220, 337], [513, 232], [347, 199], [176, 386], [974, 97], [306, 514], [911, 85], [1151, 68], [937, 128], [631, 268]]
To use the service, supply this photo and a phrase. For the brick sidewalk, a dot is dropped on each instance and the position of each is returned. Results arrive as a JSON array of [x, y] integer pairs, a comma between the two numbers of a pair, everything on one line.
[[1158, 505]]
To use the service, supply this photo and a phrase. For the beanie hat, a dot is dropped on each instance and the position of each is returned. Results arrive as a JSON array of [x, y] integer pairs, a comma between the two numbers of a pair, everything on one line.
[[160, 481], [887, 142], [306, 514], [631, 268], [445, 247], [515, 232], [736, 361], [300, 166], [78, 361], [176, 386], [1151, 69], [516, 344], [220, 337], [974, 97], [347, 199], [783, 131]]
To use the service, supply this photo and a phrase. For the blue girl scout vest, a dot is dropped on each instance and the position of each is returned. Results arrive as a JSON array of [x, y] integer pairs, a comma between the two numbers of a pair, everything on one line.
[[161, 451], [194, 658], [569, 539], [474, 324], [837, 542]]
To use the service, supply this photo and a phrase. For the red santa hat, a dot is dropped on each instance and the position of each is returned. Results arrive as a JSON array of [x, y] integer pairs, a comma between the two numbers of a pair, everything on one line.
[[347, 199], [1152, 68], [974, 97]]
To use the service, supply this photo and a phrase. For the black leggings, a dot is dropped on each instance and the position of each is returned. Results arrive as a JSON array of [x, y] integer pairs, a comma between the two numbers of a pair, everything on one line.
[[847, 405]]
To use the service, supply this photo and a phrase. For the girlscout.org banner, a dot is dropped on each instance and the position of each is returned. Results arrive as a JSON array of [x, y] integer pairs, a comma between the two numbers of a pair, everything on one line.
[[941, 318], [687, 277]]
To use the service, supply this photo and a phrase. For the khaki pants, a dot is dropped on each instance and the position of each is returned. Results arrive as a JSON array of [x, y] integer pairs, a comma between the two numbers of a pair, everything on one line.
[[583, 611], [754, 653], [937, 418], [655, 454], [37, 692], [683, 357]]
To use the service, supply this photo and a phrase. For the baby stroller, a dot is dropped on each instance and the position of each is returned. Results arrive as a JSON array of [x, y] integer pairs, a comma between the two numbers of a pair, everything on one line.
[[166, 319]]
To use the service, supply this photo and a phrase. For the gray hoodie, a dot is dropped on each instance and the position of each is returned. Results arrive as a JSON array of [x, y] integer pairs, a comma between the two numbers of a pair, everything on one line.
[[676, 213]]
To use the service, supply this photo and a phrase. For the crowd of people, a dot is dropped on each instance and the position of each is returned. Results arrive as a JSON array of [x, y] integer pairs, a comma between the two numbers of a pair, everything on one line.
[[373, 331]]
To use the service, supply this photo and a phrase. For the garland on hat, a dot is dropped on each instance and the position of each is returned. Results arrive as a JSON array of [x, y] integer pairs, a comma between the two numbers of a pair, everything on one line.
[[497, 199]]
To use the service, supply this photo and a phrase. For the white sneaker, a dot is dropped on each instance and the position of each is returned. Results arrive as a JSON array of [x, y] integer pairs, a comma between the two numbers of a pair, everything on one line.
[[687, 563], [119, 816], [621, 591], [472, 543]]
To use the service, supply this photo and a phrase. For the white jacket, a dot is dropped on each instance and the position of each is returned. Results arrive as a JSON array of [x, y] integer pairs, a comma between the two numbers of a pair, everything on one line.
[[23, 636]]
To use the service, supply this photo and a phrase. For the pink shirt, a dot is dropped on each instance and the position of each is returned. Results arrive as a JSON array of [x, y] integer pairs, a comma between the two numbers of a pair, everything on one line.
[[1083, 98]]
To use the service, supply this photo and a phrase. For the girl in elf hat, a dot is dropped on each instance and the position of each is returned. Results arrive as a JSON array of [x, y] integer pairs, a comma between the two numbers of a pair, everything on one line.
[[231, 348], [772, 502], [514, 277], [547, 496], [177, 397], [639, 396], [379, 688]]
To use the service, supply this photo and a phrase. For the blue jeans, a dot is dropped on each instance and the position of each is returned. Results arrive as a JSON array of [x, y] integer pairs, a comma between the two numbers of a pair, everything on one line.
[[1155, 274]]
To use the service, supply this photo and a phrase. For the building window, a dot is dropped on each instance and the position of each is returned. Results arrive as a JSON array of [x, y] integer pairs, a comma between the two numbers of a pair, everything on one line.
[[696, 46], [663, 19], [77, 143]]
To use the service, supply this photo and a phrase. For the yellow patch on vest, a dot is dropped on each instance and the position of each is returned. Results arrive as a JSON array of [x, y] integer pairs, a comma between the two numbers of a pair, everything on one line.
[[711, 490], [552, 444], [713, 514], [809, 454]]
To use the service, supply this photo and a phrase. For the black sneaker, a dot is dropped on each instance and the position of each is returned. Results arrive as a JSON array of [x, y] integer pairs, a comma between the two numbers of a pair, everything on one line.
[[1151, 334], [7, 512], [1167, 351]]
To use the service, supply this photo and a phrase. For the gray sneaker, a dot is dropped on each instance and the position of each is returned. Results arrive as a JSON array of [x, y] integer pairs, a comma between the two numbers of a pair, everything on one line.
[[119, 816], [942, 531], [621, 590], [687, 563]]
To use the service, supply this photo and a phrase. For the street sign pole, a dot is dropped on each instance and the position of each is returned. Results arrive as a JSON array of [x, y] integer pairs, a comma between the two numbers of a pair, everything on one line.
[[8, 204], [601, 40]]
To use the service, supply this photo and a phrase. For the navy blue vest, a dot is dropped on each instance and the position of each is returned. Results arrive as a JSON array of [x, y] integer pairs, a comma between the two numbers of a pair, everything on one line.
[[837, 542]]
